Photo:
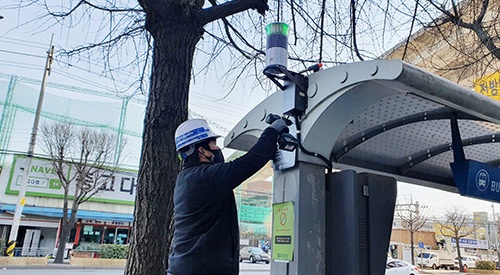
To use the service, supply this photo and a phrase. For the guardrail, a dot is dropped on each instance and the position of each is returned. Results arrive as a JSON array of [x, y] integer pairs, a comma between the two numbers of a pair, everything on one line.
[[31, 252]]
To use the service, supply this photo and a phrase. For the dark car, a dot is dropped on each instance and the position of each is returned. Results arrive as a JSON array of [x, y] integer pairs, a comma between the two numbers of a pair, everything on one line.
[[254, 254]]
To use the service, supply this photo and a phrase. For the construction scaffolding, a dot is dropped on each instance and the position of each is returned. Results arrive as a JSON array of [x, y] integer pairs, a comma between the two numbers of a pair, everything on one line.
[[118, 113]]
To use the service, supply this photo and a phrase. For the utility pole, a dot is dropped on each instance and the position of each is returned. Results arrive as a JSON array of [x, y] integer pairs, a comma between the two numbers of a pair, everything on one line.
[[21, 199], [414, 221]]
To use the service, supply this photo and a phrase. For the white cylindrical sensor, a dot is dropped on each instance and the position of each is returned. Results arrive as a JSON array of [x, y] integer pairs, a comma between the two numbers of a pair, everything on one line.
[[276, 48]]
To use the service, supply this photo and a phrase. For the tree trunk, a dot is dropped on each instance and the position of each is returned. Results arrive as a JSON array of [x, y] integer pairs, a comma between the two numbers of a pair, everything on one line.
[[66, 226], [64, 233], [63, 237], [174, 45], [459, 254], [412, 248]]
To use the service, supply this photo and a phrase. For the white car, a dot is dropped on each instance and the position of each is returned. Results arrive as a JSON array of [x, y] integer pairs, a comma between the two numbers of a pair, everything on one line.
[[467, 261], [398, 267]]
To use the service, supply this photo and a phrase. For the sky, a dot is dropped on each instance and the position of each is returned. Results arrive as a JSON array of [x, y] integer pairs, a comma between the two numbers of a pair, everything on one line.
[[23, 49]]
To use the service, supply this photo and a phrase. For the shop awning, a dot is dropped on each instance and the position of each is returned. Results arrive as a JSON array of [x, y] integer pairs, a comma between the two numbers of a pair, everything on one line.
[[58, 213]]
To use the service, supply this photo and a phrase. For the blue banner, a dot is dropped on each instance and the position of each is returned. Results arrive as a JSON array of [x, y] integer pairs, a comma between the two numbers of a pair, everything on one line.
[[476, 179]]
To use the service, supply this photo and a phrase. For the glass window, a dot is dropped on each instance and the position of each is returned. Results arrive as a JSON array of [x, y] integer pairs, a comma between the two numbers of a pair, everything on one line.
[[121, 236], [109, 235], [72, 235], [91, 234], [256, 250]]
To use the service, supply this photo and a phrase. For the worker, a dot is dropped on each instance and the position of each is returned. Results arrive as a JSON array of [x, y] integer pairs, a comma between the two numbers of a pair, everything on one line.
[[206, 233]]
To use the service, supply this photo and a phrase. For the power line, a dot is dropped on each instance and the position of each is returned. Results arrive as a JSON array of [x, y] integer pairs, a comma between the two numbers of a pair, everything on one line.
[[39, 45], [18, 42], [77, 67], [21, 53], [109, 89]]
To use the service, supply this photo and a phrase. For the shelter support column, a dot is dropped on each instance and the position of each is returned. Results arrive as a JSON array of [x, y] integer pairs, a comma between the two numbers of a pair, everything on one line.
[[304, 185]]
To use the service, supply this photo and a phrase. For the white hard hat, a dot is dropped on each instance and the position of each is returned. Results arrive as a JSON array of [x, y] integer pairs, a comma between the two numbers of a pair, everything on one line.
[[191, 132]]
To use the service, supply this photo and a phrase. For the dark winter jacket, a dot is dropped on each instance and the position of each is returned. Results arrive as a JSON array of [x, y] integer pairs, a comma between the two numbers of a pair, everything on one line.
[[206, 236]]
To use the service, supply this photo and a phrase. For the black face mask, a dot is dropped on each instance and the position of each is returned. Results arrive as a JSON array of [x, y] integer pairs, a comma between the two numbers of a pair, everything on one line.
[[218, 156]]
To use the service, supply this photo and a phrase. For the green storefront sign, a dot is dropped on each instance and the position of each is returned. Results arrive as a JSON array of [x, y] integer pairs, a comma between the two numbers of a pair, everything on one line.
[[283, 234]]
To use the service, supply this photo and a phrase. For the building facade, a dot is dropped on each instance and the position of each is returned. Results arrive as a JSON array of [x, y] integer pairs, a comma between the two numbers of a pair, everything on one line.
[[106, 218]]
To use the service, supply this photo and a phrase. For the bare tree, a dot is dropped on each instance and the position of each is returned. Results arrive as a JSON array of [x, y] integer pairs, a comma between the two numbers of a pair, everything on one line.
[[89, 153], [412, 219], [458, 39], [457, 225]]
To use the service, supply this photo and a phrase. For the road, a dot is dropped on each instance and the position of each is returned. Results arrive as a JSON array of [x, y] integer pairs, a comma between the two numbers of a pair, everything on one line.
[[449, 272], [245, 269]]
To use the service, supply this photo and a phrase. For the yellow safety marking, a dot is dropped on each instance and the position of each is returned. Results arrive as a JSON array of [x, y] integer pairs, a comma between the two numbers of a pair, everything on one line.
[[9, 251]]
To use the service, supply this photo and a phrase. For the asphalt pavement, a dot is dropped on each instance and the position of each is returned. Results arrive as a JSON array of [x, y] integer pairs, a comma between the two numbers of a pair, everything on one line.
[[245, 269], [62, 269]]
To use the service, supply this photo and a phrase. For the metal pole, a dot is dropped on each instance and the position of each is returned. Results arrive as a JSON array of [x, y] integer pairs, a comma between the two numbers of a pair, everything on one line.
[[21, 200], [496, 231]]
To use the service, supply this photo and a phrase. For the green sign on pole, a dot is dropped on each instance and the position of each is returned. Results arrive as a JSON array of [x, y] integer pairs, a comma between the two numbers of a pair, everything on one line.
[[283, 224]]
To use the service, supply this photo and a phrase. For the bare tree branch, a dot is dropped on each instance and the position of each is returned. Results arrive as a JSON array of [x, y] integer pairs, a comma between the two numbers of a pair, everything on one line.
[[411, 29], [353, 24], [321, 30], [229, 8], [482, 13], [125, 35], [88, 3]]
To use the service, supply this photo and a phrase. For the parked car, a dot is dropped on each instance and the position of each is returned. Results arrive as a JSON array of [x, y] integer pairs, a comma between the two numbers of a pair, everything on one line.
[[467, 261], [254, 254], [398, 267]]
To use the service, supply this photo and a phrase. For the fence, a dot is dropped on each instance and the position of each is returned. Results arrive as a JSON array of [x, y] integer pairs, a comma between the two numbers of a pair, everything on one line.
[[121, 114]]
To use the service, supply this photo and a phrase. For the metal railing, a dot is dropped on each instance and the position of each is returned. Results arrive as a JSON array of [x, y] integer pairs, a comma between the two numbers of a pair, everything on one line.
[[30, 252]]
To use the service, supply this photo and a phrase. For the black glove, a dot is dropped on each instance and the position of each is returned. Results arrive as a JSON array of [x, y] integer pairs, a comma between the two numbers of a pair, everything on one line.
[[280, 126]]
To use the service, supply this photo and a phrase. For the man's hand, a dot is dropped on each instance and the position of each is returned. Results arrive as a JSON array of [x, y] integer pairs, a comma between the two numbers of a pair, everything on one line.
[[280, 126]]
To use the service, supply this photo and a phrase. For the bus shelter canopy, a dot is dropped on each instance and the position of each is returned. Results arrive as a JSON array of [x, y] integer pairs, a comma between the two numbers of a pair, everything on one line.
[[386, 117]]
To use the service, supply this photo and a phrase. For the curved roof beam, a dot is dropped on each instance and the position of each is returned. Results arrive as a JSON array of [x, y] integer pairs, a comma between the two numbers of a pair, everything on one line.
[[410, 176], [359, 138], [434, 151]]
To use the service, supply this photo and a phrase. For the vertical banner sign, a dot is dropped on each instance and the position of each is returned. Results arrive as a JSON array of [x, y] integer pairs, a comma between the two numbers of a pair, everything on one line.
[[283, 235]]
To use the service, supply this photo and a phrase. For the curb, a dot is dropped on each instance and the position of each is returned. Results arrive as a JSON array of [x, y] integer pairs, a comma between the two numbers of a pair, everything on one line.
[[68, 266], [56, 266]]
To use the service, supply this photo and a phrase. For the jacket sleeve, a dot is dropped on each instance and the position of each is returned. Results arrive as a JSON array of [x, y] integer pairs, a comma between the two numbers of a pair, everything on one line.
[[227, 176]]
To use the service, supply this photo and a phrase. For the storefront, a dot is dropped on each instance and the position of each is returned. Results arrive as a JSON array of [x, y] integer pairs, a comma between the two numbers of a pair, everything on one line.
[[36, 236], [40, 227], [100, 232]]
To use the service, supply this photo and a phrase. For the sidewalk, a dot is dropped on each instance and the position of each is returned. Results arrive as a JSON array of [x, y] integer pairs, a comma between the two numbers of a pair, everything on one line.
[[66, 265]]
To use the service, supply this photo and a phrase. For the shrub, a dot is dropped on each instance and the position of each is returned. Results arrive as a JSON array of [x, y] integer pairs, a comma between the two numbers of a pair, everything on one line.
[[485, 265], [114, 251], [88, 247], [2, 245]]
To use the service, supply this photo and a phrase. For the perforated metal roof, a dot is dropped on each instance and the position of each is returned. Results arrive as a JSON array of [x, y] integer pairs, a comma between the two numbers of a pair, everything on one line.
[[387, 117]]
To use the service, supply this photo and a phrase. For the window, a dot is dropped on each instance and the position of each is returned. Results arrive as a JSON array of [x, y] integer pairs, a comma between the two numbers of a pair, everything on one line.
[[109, 235], [115, 235], [72, 235], [121, 236], [91, 234]]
